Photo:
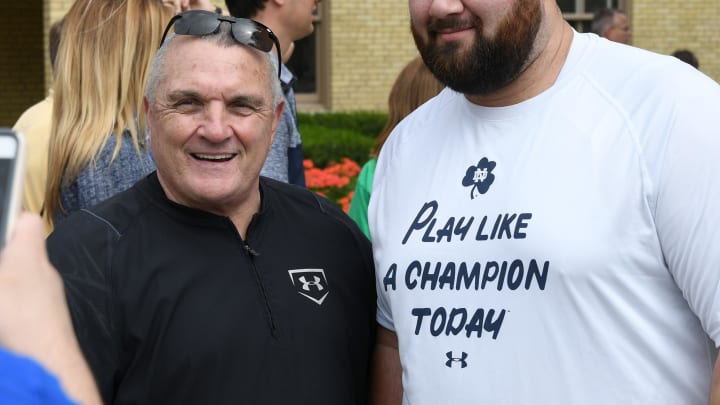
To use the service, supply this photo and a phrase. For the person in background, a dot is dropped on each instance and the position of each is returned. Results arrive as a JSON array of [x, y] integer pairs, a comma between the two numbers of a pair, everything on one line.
[[545, 230], [290, 21], [688, 57], [206, 283], [40, 360], [413, 86], [99, 144], [35, 123], [612, 24]]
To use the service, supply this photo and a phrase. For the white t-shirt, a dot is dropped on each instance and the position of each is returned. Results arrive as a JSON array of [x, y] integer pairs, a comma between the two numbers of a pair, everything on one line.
[[564, 250]]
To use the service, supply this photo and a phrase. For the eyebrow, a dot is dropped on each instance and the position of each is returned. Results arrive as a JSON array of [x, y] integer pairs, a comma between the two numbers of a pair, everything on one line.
[[252, 100], [181, 94]]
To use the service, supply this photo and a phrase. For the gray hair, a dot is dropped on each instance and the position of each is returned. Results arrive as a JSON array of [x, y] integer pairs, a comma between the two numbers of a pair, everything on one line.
[[603, 19], [222, 37]]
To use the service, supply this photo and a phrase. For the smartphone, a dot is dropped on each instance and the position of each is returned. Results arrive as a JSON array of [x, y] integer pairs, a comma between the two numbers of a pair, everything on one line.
[[12, 172]]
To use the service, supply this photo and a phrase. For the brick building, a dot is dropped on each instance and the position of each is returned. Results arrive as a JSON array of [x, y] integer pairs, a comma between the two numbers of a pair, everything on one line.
[[358, 48]]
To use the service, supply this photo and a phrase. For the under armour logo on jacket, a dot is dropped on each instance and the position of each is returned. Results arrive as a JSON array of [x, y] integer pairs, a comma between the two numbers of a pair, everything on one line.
[[315, 282], [310, 283]]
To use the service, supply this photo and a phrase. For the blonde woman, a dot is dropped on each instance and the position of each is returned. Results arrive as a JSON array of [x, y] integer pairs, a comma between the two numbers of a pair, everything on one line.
[[99, 144]]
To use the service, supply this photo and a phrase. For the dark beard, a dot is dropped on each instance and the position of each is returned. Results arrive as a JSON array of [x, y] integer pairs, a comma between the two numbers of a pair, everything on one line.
[[490, 63]]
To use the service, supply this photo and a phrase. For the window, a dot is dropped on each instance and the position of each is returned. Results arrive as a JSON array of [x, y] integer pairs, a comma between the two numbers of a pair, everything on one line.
[[579, 13], [309, 61]]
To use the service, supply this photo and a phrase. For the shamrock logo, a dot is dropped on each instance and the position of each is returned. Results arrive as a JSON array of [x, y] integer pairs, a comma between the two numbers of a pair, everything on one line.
[[480, 177]]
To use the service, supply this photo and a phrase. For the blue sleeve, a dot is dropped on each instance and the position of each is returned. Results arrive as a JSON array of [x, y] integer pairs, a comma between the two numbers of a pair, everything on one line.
[[104, 176], [296, 171], [24, 382]]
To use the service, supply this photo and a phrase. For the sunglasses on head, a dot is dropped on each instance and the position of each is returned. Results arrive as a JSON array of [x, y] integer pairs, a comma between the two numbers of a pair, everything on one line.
[[244, 31]]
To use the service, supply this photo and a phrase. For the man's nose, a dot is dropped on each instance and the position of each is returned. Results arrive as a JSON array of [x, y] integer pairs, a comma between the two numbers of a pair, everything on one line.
[[443, 8], [215, 126]]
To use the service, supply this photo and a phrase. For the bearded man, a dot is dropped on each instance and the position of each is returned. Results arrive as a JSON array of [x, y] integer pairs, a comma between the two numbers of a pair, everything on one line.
[[544, 229]]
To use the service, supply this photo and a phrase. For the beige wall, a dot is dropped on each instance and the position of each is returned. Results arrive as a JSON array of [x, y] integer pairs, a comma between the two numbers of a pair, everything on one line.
[[54, 11], [666, 25], [370, 43], [57, 8]]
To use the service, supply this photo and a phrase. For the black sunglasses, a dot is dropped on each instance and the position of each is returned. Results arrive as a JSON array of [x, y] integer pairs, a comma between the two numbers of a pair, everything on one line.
[[245, 31]]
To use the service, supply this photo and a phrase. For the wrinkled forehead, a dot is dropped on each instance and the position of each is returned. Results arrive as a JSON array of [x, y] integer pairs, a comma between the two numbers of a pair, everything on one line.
[[211, 45], [190, 56]]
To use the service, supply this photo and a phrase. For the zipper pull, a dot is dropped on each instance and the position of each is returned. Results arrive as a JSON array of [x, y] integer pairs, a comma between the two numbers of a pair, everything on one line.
[[250, 250]]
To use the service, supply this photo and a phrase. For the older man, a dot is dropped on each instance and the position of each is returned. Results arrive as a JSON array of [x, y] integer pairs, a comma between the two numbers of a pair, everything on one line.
[[546, 230], [204, 283], [612, 24]]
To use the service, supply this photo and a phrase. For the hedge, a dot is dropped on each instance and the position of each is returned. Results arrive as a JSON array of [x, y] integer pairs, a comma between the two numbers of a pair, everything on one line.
[[329, 137], [366, 123]]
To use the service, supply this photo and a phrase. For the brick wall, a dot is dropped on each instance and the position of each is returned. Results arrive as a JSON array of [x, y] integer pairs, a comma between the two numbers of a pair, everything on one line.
[[666, 25], [22, 71], [54, 11], [370, 43]]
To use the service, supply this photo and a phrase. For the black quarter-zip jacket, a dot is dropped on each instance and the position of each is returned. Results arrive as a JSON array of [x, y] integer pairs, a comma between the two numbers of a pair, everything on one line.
[[172, 306]]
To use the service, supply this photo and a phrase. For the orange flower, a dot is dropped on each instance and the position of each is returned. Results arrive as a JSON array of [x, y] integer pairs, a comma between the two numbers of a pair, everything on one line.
[[345, 201], [336, 181]]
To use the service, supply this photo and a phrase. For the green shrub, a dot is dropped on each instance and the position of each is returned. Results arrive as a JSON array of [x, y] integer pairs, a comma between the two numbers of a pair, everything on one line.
[[324, 145], [329, 137], [366, 123]]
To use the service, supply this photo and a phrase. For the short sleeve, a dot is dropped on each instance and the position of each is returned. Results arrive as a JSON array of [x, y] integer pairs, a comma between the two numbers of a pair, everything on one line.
[[688, 197]]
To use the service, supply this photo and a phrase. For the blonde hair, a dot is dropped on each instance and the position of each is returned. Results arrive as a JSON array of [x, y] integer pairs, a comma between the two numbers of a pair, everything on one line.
[[414, 85], [106, 50]]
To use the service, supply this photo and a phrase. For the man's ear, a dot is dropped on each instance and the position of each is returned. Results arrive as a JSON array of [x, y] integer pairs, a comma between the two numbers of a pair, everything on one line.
[[148, 113], [278, 114], [277, 3], [607, 30]]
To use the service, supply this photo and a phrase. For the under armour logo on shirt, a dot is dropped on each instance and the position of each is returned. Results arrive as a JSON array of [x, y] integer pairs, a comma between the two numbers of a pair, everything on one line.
[[452, 360], [310, 283]]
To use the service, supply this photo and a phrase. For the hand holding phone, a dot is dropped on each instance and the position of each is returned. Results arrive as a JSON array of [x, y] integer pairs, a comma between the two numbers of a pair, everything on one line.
[[12, 172]]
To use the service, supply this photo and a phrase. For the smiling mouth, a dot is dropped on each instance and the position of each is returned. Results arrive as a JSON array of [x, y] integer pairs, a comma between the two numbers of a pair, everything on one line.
[[213, 158], [452, 30]]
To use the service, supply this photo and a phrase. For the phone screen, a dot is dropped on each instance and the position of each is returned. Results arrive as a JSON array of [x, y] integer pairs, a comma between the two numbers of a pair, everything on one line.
[[8, 154]]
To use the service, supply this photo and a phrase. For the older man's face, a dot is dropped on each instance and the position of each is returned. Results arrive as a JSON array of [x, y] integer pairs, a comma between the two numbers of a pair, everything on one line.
[[620, 30], [211, 124]]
